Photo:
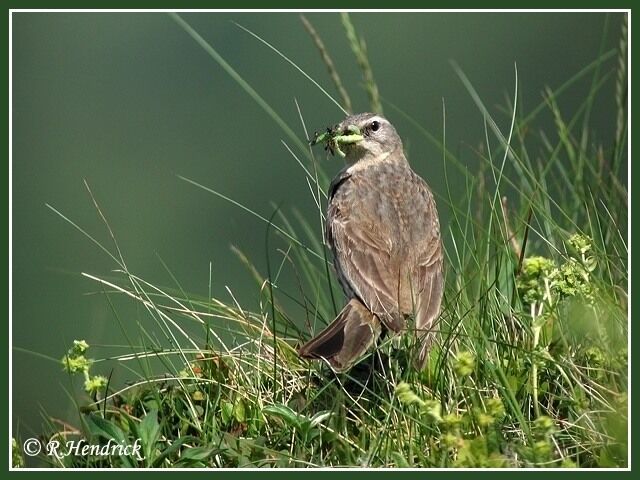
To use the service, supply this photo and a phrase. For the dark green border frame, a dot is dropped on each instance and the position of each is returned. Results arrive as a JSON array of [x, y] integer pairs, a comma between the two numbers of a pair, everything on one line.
[[324, 4]]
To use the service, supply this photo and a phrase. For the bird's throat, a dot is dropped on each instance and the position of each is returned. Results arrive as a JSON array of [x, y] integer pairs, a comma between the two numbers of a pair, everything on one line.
[[368, 161]]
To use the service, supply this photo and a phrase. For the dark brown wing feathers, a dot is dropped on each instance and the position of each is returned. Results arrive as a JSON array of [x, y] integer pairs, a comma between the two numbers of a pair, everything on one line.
[[346, 339]]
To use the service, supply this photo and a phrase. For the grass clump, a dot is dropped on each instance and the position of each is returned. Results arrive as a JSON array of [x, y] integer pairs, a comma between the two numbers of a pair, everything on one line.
[[530, 363]]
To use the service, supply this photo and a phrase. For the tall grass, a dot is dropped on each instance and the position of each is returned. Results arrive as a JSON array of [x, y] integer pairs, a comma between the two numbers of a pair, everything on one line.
[[530, 365]]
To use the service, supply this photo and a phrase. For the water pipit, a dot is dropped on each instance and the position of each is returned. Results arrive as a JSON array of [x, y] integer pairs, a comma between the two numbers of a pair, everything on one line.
[[383, 230]]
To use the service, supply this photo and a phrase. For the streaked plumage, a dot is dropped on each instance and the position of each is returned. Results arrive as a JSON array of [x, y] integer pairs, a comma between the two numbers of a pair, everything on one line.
[[383, 229]]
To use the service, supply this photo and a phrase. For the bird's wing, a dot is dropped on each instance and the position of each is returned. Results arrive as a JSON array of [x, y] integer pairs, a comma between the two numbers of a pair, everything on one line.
[[364, 261]]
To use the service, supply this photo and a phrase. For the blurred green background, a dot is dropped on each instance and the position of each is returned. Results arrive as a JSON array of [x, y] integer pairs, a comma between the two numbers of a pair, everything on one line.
[[128, 101]]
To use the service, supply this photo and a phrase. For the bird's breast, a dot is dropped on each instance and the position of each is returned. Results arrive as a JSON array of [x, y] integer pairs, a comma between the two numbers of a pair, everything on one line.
[[390, 199]]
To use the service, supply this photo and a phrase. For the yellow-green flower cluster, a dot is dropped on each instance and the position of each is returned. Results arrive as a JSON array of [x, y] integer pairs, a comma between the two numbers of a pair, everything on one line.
[[93, 385], [465, 364], [76, 362], [542, 280], [544, 426], [495, 408], [580, 243], [534, 278], [431, 408]]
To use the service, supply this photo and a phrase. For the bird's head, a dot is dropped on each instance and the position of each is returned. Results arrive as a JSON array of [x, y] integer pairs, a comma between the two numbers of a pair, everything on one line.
[[361, 136]]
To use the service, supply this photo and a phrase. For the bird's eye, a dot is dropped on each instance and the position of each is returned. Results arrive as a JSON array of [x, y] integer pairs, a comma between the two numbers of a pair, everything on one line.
[[375, 126]]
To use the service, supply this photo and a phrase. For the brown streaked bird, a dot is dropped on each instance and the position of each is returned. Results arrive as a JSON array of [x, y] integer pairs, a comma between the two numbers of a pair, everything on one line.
[[383, 230]]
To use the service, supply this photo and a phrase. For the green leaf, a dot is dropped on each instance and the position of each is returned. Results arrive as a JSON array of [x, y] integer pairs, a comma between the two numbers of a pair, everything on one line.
[[320, 417], [399, 460], [197, 453], [239, 412], [102, 428], [149, 431], [171, 449], [284, 413], [226, 412]]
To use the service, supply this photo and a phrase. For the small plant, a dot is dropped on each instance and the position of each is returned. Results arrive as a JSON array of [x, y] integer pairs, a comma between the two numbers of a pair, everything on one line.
[[17, 458], [75, 362]]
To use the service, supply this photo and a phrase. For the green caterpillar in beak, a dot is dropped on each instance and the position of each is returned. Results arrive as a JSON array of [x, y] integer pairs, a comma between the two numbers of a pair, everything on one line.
[[333, 139]]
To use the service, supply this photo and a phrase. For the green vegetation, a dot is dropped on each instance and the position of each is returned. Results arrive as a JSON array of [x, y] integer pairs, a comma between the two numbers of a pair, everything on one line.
[[530, 363]]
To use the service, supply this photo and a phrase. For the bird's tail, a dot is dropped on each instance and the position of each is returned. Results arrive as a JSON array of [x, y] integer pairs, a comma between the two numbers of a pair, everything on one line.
[[346, 339]]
